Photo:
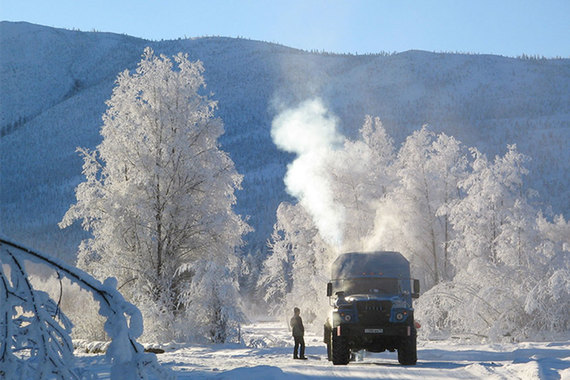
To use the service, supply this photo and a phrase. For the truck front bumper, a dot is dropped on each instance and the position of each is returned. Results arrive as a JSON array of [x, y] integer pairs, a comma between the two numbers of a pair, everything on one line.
[[355, 330]]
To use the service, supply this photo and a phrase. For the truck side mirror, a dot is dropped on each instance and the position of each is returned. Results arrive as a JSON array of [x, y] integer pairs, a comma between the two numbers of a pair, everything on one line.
[[416, 289], [329, 289]]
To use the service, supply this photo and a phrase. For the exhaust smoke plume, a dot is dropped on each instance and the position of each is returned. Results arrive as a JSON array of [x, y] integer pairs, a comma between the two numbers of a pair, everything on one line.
[[310, 132]]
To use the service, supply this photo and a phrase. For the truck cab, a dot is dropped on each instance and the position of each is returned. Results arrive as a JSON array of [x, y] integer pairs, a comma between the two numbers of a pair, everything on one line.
[[371, 297]]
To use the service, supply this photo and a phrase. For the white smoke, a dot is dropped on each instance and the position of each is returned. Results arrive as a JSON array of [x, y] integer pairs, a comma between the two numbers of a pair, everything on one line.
[[310, 131]]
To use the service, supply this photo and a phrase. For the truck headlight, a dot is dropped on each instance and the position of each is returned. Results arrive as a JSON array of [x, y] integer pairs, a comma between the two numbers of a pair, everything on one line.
[[399, 316], [348, 317]]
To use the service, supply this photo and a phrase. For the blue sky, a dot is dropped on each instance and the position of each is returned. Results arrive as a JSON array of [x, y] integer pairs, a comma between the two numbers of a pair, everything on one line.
[[505, 27]]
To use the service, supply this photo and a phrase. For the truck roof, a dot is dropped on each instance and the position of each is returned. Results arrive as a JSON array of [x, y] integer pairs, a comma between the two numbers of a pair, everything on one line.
[[370, 264]]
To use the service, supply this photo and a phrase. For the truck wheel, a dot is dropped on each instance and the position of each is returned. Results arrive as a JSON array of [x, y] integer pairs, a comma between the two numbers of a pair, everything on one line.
[[407, 351], [328, 340], [340, 350]]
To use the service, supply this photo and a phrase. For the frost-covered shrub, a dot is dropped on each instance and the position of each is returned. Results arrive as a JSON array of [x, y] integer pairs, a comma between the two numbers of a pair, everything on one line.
[[213, 310]]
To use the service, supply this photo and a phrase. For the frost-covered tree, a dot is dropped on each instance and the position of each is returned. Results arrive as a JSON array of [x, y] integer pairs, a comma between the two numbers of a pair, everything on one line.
[[158, 194], [298, 267], [491, 192], [413, 216], [548, 300], [510, 264], [361, 174], [484, 296], [448, 163]]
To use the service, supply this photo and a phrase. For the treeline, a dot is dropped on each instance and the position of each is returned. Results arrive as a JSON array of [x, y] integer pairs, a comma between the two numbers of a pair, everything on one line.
[[491, 262]]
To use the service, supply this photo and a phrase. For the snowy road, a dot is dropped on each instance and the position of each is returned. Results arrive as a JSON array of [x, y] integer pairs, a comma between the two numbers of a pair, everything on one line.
[[270, 357]]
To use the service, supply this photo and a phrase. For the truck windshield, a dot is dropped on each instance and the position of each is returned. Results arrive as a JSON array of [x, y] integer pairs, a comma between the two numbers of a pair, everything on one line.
[[367, 286]]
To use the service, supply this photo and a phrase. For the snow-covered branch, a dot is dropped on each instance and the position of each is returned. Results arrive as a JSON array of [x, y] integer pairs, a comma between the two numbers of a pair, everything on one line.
[[36, 335]]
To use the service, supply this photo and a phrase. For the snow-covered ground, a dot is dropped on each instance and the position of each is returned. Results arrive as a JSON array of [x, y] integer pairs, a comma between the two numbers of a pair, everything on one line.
[[268, 355]]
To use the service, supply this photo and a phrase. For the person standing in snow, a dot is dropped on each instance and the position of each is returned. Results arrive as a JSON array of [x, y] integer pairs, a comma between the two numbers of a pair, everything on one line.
[[298, 333]]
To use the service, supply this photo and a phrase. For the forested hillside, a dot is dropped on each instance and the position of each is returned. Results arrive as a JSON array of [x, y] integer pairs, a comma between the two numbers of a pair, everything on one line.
[[54, 85]]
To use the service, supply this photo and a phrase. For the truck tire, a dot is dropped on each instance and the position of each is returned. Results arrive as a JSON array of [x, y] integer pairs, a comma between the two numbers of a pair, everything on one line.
[[328, 341], [407, 351], [340, 350]]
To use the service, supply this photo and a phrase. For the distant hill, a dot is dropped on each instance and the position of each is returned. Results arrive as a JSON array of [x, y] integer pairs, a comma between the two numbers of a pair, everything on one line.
[[54, 84]]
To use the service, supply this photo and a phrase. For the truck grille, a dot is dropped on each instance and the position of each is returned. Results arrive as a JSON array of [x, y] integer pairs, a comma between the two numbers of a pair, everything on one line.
[[373, 312]]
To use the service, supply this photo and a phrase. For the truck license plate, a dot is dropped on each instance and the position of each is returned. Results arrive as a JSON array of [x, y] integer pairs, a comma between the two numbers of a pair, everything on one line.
[[373, 331]]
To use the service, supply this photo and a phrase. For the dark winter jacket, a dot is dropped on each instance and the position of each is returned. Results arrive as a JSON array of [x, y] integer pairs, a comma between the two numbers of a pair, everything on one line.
[[297, 326]]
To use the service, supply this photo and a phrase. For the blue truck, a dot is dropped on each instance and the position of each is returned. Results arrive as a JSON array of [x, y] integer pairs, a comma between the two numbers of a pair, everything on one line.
[[371, 297]]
